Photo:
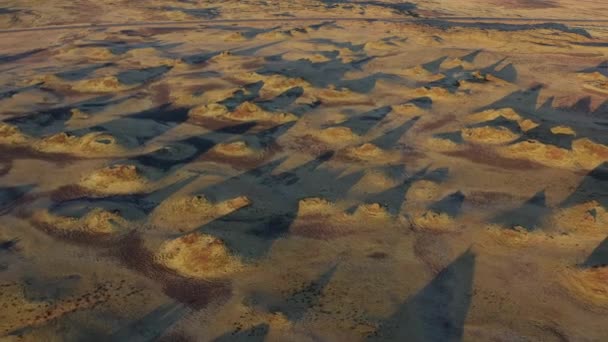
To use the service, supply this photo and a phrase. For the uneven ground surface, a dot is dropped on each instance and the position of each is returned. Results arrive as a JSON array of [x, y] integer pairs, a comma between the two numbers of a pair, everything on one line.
[[178, 173]]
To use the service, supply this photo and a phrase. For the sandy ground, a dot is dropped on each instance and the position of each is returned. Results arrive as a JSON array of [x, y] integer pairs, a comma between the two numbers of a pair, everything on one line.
[[180, 172]]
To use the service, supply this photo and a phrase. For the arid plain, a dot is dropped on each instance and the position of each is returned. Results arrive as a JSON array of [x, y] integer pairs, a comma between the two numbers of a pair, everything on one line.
[[304, 170]]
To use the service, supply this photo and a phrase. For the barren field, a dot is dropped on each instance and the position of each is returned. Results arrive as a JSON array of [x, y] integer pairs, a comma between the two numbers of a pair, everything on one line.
[[303, 170]]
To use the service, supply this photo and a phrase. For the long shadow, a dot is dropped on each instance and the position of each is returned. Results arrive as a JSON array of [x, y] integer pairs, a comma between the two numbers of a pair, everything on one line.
[[118, 47], [602, 68], [499, 122], [445, 25], [6, 10], [319, 74], [134, 130], [298, 303], [392, 199], [264, 140], [140, 76], [438, 312], [81, 73], [361, 124], [151, 326], [52, 121], [366, 84], [201, 58], [454, 77], [524, 102], [593, 187], [249, 93], [131, 207], [251, 231], [19, 56], [254, 334], [544, 135], [283, 100], [201, 13], [389, 139], [247, 31], [8, 245], [450, 205], [39, 289], [403, 8], [434, 66], [173, 156], [530, 215], [599, 256], [10, 196], [341, 45], [7, 94], [454, 136]]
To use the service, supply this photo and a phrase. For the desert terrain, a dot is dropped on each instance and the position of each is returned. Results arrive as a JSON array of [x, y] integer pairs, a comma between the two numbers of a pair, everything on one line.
[[307, 170]]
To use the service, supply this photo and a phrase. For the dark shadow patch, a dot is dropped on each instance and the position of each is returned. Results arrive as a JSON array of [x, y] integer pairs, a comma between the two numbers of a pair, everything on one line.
[[251, 231], [599, 256], [11, 196], [367, 84], [450, 205], [402, 8], [81, 73], [19, 56], [51, 289], [201, 13], [6, 10], [423, 102], [342, 45], [438, 311], [579, 115], [319, 74], [331, 24], [361, 124], [390, 139], [445, 25], [499, 122], [254, 334], [264, 141], [455, 137], [282, 101], [53, 121], [529, 216], [8, 245], [140, 76], [136, 129], [249, 93], [470, 57], [593, 187], [602, 68], [482, 155], [119, 47], [392, 199], [130, 207], [7, 94], [173, 156], [151, 326], [544, 135], [507, 73], [153, 31], [435, 65]]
